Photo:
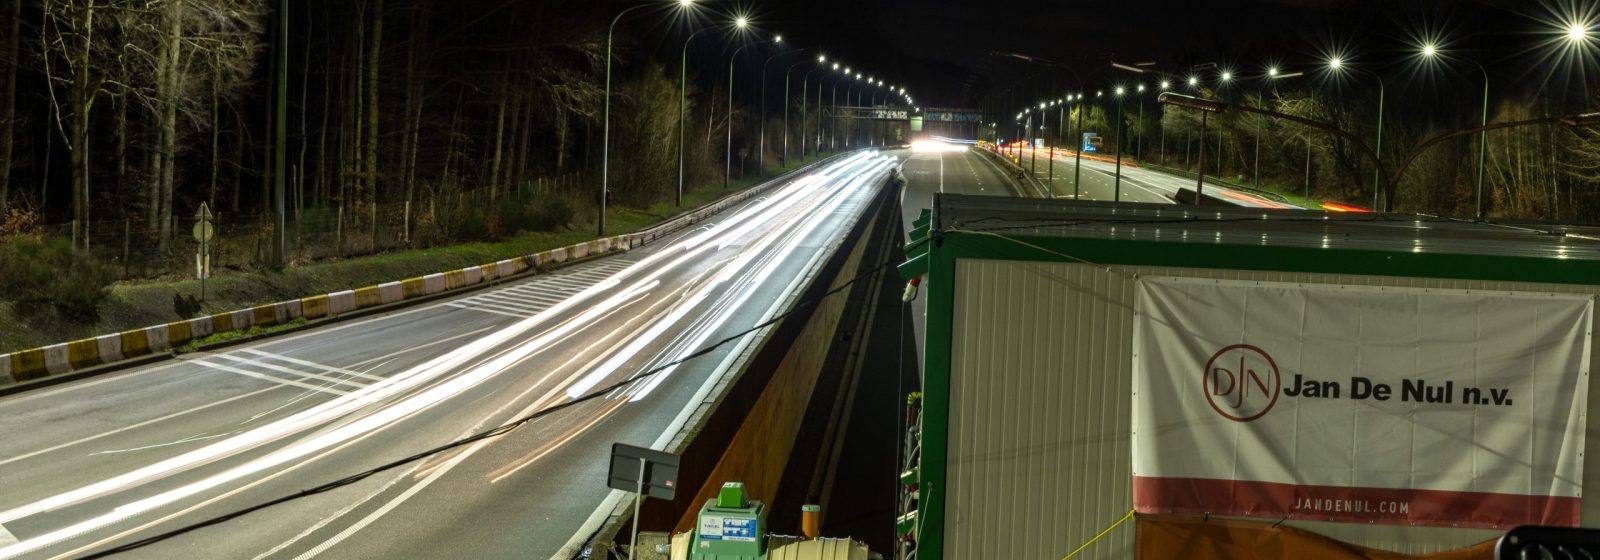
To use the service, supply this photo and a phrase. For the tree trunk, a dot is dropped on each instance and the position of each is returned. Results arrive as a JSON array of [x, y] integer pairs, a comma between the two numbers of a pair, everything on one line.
[[122, 148], [8, 111], [410, 94], [445, 179], [169, 121], [354, 165], [82, 102], [216, 135], [515, 141], [499, 137], [300, 169], [372, 101]]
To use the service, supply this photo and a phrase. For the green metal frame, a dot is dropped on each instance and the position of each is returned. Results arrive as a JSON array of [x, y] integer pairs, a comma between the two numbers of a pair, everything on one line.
[[936, 254]]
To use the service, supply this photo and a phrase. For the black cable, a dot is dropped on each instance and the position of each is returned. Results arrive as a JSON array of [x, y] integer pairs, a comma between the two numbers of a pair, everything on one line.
[[492, 432]]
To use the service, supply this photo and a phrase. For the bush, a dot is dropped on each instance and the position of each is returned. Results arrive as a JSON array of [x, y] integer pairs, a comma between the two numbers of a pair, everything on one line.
[[37, 274]]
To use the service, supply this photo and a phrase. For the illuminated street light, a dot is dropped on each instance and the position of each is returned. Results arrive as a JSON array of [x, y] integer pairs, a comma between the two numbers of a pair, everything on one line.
[[683, 92], [1272, 71], [1120, 90], [1577, 32], [742, 22], [1226, 75], [1165, 84], [1193, 81], [1336, 64], [605, 142], [1430, 52], [1141, 88]]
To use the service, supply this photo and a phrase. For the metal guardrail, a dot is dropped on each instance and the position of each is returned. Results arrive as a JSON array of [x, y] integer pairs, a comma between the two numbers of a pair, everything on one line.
[[1018, 173], [1220, 181]]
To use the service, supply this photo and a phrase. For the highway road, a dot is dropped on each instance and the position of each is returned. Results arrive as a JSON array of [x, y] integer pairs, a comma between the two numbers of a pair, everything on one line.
[[104, 461], [1138, 184], [945, 169]]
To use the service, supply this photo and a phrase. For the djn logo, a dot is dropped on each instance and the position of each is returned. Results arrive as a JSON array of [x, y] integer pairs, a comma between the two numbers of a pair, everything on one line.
[[1241, 382]]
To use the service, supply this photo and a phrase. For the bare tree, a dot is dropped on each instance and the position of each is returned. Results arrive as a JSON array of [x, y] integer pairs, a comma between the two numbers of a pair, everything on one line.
[[8, 111]]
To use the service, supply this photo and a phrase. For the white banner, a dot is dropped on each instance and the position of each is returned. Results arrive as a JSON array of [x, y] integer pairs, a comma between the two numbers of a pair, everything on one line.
[[1359, 404]]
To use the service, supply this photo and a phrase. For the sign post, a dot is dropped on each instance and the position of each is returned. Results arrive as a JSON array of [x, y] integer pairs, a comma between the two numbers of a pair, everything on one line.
[[203, 232], [645, 472]]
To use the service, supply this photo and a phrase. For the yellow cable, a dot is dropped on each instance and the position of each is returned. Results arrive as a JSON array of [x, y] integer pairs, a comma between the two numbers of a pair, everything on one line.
[[1119, 522]]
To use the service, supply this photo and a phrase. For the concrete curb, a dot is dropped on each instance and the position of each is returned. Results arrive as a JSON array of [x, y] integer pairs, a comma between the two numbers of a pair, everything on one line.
[[58, 360], [1018, 174]]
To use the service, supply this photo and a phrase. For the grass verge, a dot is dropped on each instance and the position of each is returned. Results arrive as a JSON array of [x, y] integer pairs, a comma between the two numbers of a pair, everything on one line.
[[143, 303]]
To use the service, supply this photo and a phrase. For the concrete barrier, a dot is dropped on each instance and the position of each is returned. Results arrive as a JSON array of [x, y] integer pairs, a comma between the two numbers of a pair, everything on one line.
[[37, 363]]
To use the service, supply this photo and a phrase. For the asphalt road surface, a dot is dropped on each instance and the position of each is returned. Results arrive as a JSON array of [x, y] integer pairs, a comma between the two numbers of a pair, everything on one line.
[[952, 170], [1138, 184], [101, 462]]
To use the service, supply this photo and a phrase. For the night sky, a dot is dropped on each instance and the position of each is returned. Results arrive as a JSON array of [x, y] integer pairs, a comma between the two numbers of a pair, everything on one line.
[[953, 53]]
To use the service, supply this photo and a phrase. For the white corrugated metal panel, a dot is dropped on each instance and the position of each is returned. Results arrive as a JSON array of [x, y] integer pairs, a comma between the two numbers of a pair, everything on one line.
[[1039, 458]]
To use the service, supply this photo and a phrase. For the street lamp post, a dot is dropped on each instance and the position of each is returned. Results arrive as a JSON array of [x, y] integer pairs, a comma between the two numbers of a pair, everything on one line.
[[1336, 65], [761, 151], [1077, 154], [683, 93], [727, 163], [805, 89], [1161, 150], [1430, 52], [1138, 137], [787, 101], [605, 135], [1273, 75], [833, 124], [1116, 189]]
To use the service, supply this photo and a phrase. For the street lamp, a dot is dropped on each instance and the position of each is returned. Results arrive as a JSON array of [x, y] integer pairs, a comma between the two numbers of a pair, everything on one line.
[[761, 150], [1273, 75], [683, 93], [727, 163], [805, 88], [1430, 52], [788, 100], [833, 127], [1337, 64], [1116, 188], [605, 149]]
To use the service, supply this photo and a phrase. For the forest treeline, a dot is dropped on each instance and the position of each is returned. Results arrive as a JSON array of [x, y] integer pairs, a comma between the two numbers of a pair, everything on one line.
[[431, 119], [1547, 172]]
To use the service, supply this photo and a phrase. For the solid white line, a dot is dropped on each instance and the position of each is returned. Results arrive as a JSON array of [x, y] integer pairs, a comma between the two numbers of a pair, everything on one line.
[[616, 497], [6, 538], [328, 368], [371, 517], [133, 426], [266, 377], [421, 346]]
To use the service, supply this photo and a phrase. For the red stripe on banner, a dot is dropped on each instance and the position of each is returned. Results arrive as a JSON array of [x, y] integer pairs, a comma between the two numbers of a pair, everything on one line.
[[1395, 506]]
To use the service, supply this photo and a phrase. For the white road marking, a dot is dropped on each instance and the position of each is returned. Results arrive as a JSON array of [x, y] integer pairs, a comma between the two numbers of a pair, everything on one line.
[[6, 538], [324, 367], [421, 346], [133, 426], [460, 306], [189, 439], [290, 371], [265, 377]]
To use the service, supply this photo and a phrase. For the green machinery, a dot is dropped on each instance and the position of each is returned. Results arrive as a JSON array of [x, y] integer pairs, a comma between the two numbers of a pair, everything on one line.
[[731, 527]]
